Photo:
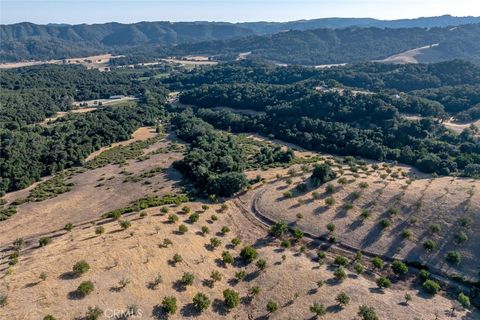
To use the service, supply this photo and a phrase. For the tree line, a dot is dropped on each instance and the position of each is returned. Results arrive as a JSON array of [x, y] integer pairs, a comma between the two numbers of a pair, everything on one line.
[[346, 124], [29, 151]]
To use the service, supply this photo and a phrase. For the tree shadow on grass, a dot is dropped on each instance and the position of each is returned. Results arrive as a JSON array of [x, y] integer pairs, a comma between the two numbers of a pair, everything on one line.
[[69, 275], [334, 309], [159, 313], [218, 306], [75, 295], [179, 286], [189, 310]]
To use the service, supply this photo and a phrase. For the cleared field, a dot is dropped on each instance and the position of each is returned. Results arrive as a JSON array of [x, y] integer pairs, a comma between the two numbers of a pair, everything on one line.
[[187, 61], [135, 256], [94, 192], [91, 62], [411, 56], [458, 127]]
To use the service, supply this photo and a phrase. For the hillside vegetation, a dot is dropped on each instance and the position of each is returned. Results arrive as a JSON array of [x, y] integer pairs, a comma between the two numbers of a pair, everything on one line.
[[341, 121], [313, 42], [326, 46], [244, 192]]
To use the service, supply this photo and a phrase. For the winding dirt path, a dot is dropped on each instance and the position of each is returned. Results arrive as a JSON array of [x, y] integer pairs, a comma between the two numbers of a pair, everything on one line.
[[249, 208]]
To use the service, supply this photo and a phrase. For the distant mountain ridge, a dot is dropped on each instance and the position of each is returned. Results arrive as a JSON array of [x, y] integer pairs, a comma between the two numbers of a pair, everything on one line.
[[24, 41], [261, 27], [348, 45], [29, 41]]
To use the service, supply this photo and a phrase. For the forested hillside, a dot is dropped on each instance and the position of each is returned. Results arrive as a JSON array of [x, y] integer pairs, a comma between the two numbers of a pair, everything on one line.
[[25, 41], [308, 42], [440, 89], [29, 95], [335, 23], [341, 121], [324, 46]]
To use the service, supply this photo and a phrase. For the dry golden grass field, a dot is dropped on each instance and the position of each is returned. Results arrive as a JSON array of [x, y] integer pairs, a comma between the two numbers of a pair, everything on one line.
[[132, 264]]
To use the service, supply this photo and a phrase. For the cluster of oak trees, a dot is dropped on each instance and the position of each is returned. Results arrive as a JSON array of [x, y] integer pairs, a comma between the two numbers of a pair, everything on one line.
[[344, 123], [441, 89], [213, 162], [29, 95]]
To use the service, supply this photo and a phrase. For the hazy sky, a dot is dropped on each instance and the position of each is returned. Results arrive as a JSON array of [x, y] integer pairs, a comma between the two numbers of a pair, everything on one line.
[[94, 11]]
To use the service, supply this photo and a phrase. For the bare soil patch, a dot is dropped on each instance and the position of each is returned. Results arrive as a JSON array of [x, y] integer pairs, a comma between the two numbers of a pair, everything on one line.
[[91, 62]]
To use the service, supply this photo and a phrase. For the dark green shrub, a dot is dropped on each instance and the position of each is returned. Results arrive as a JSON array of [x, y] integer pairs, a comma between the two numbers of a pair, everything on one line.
[[231, 298], [318, 309], [279, 229], [286, 244], [201, 302], [298, 234], [182, 229], [367, 313], [461, 237], [424, 274], [431, 286], [429, 245], [124, 224], [248, 254], [341, 261], [44, 241], [177, 258], [99, 230], [383, 282], [399, 267], [331, 227], [240, 275], [342, 298], [464, 300], [453, 257], [225, 230], [340, 274], [236, 241], [215, 242], [187, 279], [193, 217], [227, 257], [377, 263], [359, 268], [261, 264], [272, 306], [93, 313], [172, 218], [85, 288], [169, 305], [80, 267]]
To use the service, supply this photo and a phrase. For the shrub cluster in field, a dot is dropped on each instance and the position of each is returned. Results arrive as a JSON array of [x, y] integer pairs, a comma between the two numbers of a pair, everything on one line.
[[146, 174], [120, 154], [52, 187], [145, 203]]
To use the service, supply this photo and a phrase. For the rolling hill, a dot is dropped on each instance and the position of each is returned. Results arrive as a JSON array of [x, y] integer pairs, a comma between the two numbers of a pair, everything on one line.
[[29, 41], [354, 44]]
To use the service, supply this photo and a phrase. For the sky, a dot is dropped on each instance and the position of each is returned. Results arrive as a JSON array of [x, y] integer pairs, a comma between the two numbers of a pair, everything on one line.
[[127, 11]]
